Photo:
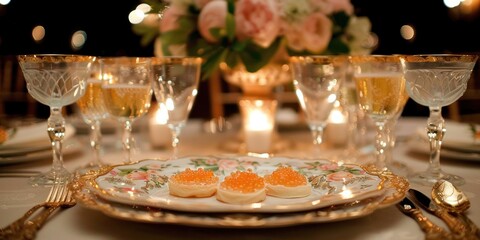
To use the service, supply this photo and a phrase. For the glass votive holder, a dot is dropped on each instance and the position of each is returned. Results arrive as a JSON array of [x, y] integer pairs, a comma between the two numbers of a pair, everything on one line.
[[258, 124], [159, 133], [336, 131]]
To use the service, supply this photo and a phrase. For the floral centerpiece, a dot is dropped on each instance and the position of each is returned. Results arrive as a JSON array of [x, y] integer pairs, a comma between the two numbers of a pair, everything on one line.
[[253, 32]]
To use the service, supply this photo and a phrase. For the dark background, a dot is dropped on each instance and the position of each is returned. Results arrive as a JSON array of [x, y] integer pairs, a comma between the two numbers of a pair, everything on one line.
[[109, 33]]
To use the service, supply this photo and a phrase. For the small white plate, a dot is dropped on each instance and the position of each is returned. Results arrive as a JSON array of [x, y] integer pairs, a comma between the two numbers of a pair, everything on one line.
[[145, 183], [29, 139], [70, 146]]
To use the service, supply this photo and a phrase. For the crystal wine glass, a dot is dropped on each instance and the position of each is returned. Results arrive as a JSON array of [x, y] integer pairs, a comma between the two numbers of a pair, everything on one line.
[[381, 95], [316, 80], [127, 92], [93, 111], [175, 83], [436, 81], [55, 80]]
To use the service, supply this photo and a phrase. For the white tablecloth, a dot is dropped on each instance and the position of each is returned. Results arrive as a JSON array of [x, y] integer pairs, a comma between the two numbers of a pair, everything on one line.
[[17, 196]]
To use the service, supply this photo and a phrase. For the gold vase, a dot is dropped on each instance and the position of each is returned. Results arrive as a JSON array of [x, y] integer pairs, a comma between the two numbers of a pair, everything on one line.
[[260, 83]]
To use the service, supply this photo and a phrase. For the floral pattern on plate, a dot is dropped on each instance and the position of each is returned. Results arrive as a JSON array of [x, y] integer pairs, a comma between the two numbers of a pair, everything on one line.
[[144, 183]]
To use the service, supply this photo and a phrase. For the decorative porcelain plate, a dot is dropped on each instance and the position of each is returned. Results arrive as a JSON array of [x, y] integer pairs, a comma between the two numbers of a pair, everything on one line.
[[145, 183], [394, 189]]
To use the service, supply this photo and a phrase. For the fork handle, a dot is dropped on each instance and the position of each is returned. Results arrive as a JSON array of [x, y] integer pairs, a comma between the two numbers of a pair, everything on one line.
[[473, 229], [17, 225], [31, 227]]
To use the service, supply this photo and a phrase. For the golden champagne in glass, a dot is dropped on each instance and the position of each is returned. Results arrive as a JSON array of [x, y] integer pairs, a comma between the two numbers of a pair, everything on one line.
[[127, 92], [380, 85], [93, 111]]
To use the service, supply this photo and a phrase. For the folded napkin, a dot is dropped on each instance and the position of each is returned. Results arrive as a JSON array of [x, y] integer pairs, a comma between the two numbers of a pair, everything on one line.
[[34, 135]]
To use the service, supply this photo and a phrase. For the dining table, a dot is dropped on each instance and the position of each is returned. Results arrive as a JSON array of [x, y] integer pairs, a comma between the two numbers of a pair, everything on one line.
[[17, 195]]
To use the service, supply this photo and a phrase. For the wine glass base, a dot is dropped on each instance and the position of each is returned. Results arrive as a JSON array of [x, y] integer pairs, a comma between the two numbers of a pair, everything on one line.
[[429, 179], [90, 168], [51, 177]]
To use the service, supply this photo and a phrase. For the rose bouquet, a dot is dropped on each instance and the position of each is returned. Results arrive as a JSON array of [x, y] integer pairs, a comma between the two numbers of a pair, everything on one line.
[[253, 32]]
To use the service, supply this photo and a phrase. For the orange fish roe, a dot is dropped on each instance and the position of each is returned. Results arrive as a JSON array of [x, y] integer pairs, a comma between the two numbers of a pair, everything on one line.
[[199, 176], [286, 176], [243, 181]]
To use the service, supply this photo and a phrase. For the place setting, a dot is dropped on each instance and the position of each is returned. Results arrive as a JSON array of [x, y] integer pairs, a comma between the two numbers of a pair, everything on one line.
[[30, 143], [141, 191], [461, 141]]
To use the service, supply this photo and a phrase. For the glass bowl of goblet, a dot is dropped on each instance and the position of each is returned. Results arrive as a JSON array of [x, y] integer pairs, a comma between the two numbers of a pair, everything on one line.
[[55, 80]]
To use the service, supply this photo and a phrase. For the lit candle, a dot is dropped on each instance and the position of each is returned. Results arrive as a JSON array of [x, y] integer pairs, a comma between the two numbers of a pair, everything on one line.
[[160, 134], [258, 120], [336, 131]]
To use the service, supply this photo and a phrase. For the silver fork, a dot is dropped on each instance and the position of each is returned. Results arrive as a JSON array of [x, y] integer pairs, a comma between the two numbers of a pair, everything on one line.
[[59, 196]]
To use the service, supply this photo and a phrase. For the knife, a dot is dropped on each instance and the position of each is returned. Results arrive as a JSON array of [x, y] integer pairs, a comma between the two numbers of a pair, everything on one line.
[[426, 203], [431, 230]]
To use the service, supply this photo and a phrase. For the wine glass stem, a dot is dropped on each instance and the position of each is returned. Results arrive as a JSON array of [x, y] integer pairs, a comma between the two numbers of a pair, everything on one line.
[[175, 141], [127, 140], [381, 146], [317, 134], [390, 134], [56, 133], [435, 133], [95, 139]]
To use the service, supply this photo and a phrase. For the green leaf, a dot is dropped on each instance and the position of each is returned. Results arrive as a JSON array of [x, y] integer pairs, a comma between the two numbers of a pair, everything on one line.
[[212, 63], [230, 27], [239, 46], [216, 32], [231, 6], [255, 57], [232, 58], [337, 46], [187, 23], [340, 22], [174, 37]]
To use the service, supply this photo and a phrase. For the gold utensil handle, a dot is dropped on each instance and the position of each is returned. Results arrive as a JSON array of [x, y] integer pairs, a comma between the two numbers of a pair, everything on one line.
[[431, 230], [31, 228], [15, 227], [454, 223], [472, 230]]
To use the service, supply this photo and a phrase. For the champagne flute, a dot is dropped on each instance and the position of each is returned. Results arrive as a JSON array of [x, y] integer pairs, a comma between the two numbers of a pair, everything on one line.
[[175, 83], [55, 80], [127, 92], [93, 111], [316, 80], [435, 81], [381, 95]]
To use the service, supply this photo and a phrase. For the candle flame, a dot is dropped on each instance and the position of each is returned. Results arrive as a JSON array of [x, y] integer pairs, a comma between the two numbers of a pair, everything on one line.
[[161, 115]]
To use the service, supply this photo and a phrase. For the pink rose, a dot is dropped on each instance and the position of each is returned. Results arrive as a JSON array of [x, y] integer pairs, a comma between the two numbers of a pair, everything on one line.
[[330, 166], [213, 15], [339, 176], [317, 32], [138, 175], [211, 161], [226, 164], [312, 34], [258, 20], [332, 6], [170, 17], [201, 3], [293, 34]]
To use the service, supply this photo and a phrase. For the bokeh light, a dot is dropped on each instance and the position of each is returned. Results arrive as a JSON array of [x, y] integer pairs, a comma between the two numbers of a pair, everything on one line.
[[38, 33], [78, 39], [407, 32]]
